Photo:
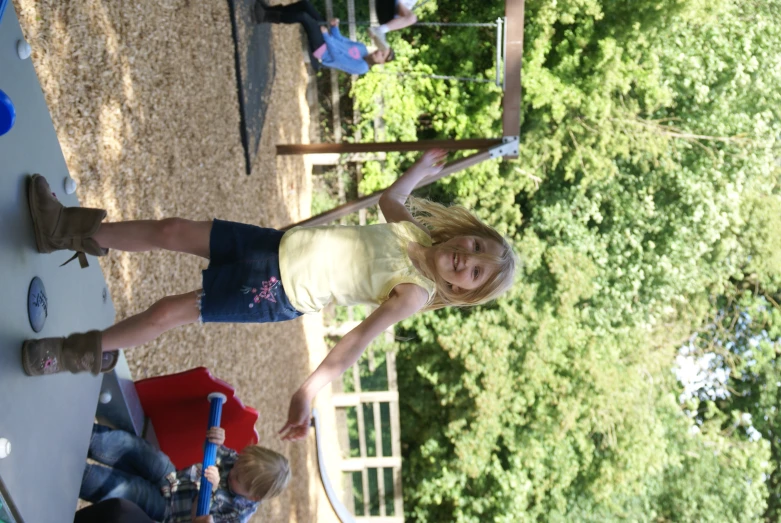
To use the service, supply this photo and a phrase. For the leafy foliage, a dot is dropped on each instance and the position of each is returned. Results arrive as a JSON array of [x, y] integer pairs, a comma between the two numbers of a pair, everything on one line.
[[645, 207]]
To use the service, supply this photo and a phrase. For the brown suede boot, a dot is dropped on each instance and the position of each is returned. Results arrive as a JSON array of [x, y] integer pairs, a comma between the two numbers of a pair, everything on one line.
[[76, 353], [57, 227]]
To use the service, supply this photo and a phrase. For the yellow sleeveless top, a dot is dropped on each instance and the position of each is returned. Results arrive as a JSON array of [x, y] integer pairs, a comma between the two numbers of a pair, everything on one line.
[[348, 264]]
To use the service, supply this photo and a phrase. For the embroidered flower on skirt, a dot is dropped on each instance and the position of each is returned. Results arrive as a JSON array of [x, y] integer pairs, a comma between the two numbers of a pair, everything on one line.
[[266, 291]]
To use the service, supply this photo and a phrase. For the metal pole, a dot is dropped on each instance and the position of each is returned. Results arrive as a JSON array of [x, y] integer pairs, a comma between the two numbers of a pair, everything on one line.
[[504, 56], [499, 54], [433, 24], [209, 454], [378, 147]]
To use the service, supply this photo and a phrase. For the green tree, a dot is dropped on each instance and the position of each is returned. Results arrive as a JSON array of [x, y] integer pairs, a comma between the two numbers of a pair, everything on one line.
[[646, 174]]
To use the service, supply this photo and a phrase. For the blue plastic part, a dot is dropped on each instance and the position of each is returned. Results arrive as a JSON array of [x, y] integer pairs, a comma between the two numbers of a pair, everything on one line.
[[209, 455], [7, 112], [37, 304], [2, 8]]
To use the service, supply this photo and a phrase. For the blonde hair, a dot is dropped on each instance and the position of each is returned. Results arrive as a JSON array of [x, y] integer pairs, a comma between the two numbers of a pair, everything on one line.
[[263, 472], [445, 223]]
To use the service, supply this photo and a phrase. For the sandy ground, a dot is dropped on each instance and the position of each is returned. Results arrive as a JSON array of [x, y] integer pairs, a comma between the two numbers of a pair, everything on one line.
[[143, 97]]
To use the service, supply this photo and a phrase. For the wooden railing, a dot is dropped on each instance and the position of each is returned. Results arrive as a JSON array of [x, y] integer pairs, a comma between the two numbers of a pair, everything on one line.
[[363, 463]]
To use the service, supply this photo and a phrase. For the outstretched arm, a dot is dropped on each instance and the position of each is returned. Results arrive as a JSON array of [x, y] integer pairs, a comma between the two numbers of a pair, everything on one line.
[[405, 300], [333, 30], [394, 197]]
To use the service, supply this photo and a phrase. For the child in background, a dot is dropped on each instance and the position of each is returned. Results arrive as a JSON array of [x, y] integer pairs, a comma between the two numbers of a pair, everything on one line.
[[327, 46], [426, 257], [140, 473]]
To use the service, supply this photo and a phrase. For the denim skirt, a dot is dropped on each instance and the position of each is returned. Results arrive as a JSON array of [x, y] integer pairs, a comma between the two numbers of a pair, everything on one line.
[[242, 282]]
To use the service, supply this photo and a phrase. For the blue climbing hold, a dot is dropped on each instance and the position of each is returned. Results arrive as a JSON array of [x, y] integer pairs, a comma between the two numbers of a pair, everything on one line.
[[37, 304]]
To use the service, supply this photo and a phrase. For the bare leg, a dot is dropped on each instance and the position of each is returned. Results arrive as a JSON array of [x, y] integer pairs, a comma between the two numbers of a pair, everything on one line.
[[402, 18], [164, 315], [173, 234], [401, 22]]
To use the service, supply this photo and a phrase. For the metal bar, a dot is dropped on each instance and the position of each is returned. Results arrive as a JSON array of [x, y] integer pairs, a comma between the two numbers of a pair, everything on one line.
[[504, 56], [439, 24], [239, 91], [335, 110], [341, 511], [421, 145], [337, 119], [435, 24], [371, 199], [361, 441], [373, 20], [216, 399], [499, 54], [351, 19], [456, 24], [395, 435], [436, 76], [378, 453]]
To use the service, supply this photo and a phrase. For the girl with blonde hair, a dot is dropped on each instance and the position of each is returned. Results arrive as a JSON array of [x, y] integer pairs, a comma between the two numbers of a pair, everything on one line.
[[426, 257]]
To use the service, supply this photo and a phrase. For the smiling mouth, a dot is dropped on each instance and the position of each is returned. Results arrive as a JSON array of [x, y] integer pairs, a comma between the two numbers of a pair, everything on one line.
[[455, 261]]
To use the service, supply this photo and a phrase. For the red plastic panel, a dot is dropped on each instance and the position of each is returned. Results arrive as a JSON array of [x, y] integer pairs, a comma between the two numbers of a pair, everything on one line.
[[179, 410]]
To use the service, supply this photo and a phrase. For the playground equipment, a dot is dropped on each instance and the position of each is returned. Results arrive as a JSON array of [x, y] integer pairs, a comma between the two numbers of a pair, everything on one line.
[[7, 113], [8, 512], [175, 406], [37, 304], [216, 399], [40, 478], [488, 148], [174, 410], [341, 511], [255, 67], [501, 45]]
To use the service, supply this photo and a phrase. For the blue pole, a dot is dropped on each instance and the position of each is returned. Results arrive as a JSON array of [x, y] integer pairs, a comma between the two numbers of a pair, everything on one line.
[[209, 454]]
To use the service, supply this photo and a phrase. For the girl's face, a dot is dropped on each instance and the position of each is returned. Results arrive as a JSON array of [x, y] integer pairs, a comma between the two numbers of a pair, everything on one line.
[[380, 56], [463, 271]]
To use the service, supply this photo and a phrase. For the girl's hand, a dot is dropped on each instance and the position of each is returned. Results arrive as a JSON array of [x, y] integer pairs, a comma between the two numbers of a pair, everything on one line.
[[203, 519], [213, 475], [298, 417], [334, 22], [216, 435], [432, 162]]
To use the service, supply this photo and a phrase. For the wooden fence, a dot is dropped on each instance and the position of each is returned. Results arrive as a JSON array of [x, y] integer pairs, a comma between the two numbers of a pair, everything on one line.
[[363, 463]]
